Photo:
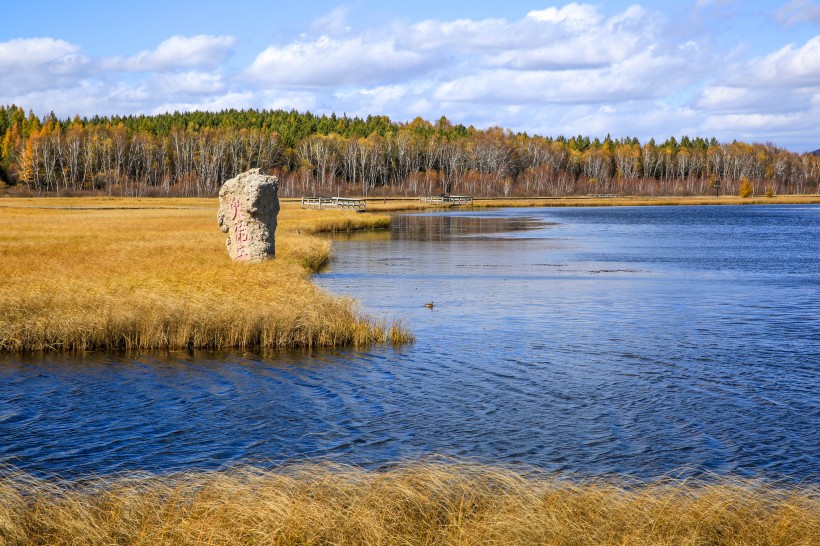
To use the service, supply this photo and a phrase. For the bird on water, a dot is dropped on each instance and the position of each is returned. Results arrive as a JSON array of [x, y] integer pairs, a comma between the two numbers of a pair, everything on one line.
[[429, 305]]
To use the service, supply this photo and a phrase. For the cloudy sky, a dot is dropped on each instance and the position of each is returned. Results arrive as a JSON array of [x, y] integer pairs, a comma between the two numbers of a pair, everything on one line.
[[746, 70]]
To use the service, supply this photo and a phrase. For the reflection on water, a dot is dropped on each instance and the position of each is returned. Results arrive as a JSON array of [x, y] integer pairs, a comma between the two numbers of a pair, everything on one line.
[[598, 341]]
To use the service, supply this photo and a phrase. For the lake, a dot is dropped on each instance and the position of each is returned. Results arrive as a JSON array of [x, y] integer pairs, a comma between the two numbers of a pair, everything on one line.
[[596, 341]]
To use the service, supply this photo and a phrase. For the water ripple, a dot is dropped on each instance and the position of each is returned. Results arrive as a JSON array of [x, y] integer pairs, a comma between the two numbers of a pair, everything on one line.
[[597, 341]]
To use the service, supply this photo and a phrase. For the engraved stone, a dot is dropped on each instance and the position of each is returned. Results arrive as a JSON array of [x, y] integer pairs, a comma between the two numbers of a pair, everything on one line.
[[248, 206]]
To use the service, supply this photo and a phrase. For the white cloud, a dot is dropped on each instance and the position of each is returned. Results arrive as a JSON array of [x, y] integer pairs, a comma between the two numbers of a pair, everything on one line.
[[211, 104], [723, 97], [577, 68], [201, 51], [576, 35], [592, 45], [790, 66], [465, 35], [382, 98], [754, 121], [56, 54], [333, 62], [271, 100], [575, 16], [287, 100], [39, 63], [782, 129], [732, 99], [86, 98], [189, 83], [641, 119], [463, 53], [642, 76], [773, 98], [799, 11]]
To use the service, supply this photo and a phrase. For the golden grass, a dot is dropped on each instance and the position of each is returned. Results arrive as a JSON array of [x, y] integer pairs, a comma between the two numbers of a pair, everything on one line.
[[401, 204], [628, 201], [428, 502], [95, 273]]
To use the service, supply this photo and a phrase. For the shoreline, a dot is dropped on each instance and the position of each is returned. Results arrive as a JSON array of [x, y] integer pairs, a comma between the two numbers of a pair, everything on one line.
[[118, 274], [130, 203], [399, 204]]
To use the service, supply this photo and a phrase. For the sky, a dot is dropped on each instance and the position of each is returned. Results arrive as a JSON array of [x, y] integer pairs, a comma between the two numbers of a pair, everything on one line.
[[745, 70]]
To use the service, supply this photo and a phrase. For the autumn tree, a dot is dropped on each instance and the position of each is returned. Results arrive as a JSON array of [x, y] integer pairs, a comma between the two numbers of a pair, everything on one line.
[[192, 153]]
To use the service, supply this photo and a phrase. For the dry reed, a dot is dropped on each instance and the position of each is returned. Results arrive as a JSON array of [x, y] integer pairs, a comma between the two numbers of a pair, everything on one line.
[[428, 502], [86, 274]]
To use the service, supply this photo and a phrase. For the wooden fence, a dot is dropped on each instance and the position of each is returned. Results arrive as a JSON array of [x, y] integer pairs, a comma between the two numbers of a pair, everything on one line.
[[333, 203], [441, 199]]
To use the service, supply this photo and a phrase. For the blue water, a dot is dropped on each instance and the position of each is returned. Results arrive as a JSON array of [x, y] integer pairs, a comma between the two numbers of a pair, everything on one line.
[[635, 341]]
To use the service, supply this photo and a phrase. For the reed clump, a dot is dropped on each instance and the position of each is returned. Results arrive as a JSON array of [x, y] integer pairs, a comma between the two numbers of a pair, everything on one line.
[[86, 274], [415, 503], [334, 221]]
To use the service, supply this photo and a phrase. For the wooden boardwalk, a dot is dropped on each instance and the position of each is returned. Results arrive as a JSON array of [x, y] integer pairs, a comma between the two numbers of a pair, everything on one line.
[[452, 199], [333, 203]]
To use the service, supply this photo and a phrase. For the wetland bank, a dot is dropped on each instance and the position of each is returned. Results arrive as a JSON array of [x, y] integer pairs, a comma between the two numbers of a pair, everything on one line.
[[147, 274], [579, 357]]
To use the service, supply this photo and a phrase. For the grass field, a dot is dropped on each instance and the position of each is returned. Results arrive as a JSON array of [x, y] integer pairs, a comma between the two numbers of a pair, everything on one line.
[[428, 502], [83, 274]]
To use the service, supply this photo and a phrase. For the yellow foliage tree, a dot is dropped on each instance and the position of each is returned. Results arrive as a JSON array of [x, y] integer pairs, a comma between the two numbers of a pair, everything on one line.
[[745, 190]]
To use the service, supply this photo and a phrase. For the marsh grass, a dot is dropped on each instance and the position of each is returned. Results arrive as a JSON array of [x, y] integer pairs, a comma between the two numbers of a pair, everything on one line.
[[427, 502], [628, 201], [86, 274]]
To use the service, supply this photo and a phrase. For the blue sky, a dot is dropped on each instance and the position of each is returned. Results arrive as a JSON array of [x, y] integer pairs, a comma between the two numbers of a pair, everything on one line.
[[723, 68]]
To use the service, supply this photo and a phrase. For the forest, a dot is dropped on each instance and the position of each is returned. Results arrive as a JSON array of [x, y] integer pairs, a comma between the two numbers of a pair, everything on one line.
[[193, 153]]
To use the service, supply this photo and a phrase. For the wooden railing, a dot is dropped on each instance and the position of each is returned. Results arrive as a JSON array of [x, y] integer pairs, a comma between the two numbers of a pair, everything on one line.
[[441, 199], [333, 203]]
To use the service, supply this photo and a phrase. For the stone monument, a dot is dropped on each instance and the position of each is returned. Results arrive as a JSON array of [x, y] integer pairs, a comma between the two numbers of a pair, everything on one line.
[[248, 206]]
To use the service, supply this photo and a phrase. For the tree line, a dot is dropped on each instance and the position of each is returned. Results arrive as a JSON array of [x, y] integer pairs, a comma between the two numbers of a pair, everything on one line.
[[193, 153]]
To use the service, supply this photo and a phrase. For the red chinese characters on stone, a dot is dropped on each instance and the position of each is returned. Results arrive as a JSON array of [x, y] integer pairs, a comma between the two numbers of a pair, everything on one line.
[[240, 232], [248, 206]]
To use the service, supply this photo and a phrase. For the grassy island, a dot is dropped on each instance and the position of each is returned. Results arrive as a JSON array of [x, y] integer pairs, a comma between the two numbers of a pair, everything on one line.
[[105, 273], [427, 502]]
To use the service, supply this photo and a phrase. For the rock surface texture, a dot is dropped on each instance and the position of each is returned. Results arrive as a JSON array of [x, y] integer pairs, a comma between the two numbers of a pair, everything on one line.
[[248, 206]]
